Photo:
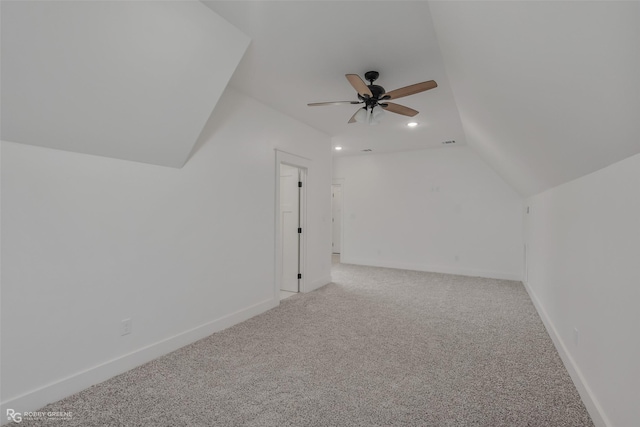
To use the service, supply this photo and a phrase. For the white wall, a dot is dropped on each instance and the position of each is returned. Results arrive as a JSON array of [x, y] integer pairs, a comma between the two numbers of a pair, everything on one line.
[[583, 245], [88, 241], [440, 210]]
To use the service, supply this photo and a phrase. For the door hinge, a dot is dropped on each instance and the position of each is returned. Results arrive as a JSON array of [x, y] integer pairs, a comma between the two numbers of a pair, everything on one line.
[[299, 183], [299, 230], [299, 276]]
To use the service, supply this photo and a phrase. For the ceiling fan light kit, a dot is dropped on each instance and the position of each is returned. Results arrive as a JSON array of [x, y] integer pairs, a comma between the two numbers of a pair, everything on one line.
[[374, 98], [369, 116]]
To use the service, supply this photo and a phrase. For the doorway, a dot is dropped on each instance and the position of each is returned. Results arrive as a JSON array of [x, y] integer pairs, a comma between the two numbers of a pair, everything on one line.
[[291, 181], [293, 174]]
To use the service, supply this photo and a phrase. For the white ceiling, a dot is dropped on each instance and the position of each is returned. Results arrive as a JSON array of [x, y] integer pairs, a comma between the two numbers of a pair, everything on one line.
[[301, 50], [545, 92], [131, 80]]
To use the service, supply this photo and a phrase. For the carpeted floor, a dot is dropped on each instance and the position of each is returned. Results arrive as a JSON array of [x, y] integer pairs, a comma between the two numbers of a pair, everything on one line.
[[378, 347]]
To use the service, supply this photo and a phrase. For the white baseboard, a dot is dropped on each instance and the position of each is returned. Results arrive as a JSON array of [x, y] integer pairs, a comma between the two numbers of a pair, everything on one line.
[[434, 269], [590, 402], [318, 283], [35, 399]]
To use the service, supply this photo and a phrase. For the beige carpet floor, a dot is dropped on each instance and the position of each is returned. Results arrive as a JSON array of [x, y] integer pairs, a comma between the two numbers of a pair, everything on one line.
[[378, 347]]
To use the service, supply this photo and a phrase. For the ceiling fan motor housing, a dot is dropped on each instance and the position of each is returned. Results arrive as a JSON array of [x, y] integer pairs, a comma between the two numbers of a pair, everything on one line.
[[377, 91]]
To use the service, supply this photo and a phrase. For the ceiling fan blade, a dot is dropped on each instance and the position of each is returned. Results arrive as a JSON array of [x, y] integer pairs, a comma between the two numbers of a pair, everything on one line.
[[317, 104], [359, 85], [399, 109], [353, 118], [410, 90]]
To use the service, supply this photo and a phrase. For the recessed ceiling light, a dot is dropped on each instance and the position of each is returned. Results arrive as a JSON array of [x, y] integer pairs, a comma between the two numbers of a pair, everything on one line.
[[412, 124], [338, 148]]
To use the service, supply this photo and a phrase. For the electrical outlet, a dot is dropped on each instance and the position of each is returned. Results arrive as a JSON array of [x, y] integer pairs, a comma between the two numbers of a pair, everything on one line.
[[126, 327]]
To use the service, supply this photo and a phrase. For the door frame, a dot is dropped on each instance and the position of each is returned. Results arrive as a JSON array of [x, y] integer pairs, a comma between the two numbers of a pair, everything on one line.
[[333, 222], [341, 183], [304, 165]]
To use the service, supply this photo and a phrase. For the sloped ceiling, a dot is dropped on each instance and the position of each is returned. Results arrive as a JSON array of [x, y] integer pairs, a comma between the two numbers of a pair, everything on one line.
[[130, 80], [547, 91], [301, 51]]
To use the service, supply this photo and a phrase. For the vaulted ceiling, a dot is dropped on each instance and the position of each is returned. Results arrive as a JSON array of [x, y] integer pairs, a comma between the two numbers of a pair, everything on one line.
[[545, 92], [300, 52]]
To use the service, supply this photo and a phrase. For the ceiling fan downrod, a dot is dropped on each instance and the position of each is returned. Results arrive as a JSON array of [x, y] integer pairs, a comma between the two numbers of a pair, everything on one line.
[[372, 76]]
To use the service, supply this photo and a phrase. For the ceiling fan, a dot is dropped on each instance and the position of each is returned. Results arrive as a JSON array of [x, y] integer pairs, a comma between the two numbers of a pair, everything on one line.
[[375, 98]]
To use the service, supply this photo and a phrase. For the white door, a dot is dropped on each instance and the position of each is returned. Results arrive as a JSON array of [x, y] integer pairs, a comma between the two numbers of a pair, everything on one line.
[[336, 207], [289, 223]]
